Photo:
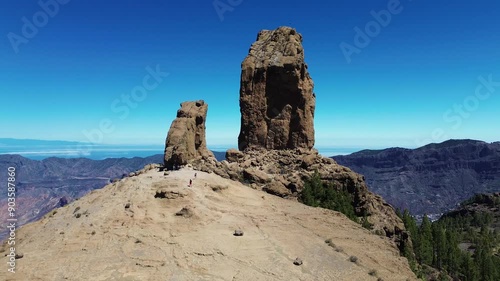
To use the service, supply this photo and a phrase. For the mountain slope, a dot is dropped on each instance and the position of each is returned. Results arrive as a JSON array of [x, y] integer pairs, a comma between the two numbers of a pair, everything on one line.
[[487, 205], [430, 179], [122, 232]]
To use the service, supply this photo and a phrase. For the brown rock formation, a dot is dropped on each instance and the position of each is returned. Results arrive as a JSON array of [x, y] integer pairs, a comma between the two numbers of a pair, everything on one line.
[[277, 133], [186, 137], [232, 155], [282, 173], [276, 93]]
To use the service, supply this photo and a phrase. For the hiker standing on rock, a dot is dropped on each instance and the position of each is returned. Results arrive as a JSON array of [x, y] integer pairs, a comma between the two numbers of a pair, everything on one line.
[[190, 182]]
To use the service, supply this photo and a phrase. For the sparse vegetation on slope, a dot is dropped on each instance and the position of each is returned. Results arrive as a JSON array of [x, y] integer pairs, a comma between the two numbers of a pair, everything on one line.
[[326, 195], [461, 244]]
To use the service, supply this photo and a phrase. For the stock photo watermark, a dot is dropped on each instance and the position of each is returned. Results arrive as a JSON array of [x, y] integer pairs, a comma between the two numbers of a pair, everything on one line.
[[12, 220], [223, 6], [122, 106], [363, 37], [459, 112], [48, 9]]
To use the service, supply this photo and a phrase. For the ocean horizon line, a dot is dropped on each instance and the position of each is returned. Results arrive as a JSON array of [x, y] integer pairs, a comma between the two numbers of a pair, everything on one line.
[[128, 151]]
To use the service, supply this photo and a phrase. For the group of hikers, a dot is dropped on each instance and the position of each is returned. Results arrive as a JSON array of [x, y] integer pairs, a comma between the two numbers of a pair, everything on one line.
[[191, 181]]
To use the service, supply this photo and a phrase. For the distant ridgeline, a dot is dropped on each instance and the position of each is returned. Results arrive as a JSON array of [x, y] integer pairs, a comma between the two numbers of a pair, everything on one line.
[[431, 179]]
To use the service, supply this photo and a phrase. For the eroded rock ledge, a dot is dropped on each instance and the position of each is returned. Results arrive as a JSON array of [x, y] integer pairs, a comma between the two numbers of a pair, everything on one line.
[[282, 173]]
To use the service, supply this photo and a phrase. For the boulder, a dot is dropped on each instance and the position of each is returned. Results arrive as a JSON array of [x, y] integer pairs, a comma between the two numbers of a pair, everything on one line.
[[185, 212], [233, 155], [308, 161], [277, 188], [163, 193], [328, 160], [298, 261], [254, 175]]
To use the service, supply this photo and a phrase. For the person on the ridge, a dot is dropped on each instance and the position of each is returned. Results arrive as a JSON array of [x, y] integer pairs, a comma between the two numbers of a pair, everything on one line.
[[190, 182], [194, 175]]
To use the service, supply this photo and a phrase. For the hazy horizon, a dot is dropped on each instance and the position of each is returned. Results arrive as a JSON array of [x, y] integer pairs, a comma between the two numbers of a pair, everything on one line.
[[41, 149]]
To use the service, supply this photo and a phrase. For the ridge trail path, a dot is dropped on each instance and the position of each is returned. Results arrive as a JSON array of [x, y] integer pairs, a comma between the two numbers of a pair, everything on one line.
[[122, 232]]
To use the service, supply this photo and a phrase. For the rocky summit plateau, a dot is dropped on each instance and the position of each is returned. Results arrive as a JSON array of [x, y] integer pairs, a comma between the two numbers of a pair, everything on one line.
[[196, 218]]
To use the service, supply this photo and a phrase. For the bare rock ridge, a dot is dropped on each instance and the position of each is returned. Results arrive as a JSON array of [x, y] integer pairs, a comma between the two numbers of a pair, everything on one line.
[[283, 172], [276, 93], [186, 137]]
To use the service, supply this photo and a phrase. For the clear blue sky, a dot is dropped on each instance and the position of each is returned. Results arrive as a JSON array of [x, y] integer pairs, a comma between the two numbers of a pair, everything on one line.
[[398, 90]]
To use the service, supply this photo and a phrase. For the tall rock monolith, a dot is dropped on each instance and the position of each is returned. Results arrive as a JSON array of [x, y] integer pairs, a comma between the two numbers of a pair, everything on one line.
[[276, 93]]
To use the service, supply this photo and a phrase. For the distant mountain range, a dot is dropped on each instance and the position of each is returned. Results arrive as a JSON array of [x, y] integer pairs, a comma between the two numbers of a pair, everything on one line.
[[430, 179]]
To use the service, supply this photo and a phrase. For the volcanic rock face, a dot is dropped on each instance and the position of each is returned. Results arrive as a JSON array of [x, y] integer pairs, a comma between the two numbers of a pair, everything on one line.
[[276, 93], [186, 137]]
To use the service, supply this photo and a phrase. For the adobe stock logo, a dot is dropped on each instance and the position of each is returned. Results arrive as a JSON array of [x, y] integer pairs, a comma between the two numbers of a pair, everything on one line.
[[462, 111], [363, 38], [40, 19], [122, 107], [223, 6]]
